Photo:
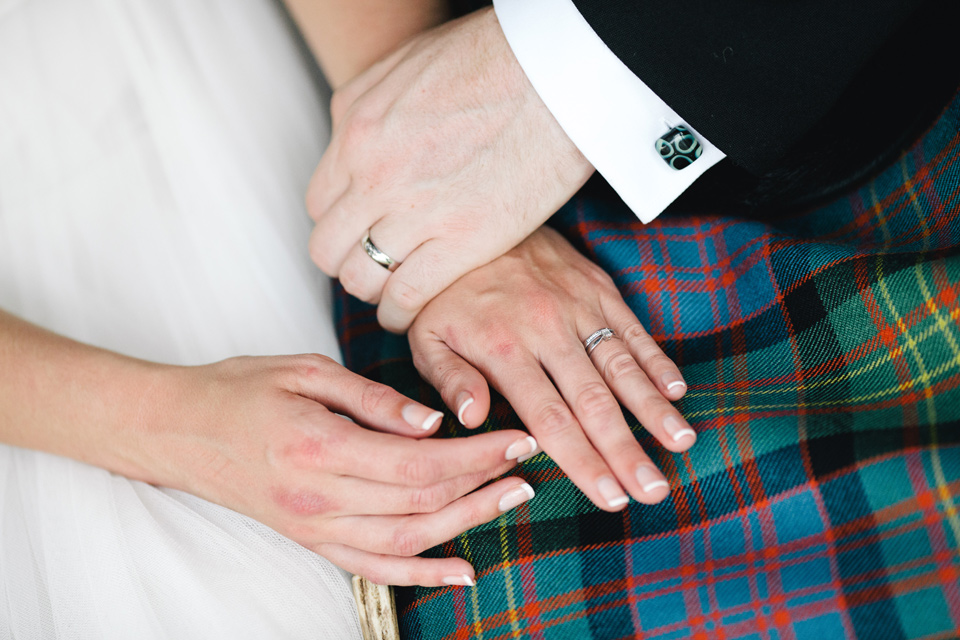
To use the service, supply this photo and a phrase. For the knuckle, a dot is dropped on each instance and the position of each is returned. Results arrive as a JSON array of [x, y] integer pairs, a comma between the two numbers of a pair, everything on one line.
[[554, 419], [429, 499], [601, 278], [545, 306], [352, 279], [449, 377], [407, 297], [619, 367], [373, 397], [311, 452], [320, 255], [634, 333], [474, 516], [657, 360], [419, 471], [356, 131], [652, 358], [407, 542], [312, 366], [301, 503], [595, 399]]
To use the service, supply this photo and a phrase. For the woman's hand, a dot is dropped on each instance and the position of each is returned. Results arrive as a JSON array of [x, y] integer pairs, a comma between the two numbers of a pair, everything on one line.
[[520, 322], [262, 436]]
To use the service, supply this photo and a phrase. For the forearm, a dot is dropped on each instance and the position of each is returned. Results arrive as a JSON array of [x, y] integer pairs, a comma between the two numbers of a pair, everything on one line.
[[347, 36], [67, 398]]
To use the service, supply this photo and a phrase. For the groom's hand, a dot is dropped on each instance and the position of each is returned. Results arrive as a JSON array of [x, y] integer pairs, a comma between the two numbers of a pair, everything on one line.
[[446, 154]]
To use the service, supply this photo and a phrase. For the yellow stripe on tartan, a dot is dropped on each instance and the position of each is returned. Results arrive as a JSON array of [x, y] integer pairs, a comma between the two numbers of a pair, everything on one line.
[[881, 218], [474, 598], [935, 461], [508, 577], [941, 481], [921, 217], [825, 404], [848, 374]]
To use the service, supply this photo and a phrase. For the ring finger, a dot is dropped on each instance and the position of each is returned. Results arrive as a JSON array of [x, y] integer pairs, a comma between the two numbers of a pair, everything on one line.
[[361, 275], [597, 410]]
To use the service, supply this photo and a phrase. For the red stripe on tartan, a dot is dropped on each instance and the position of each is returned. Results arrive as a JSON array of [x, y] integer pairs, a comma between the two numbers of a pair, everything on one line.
[[459, 607], [628, 560], [738, 337], [860, 226], [688, 582], [528, 576], [888, 334], [884, 337], [933, 521], [771, 561]]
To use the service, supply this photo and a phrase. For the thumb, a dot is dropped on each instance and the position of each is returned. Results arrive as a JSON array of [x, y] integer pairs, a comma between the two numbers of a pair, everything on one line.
[[462, 387]]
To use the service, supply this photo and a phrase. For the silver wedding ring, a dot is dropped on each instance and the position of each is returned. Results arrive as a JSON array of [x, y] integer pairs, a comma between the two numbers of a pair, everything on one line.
[[378, 256], [596, 338]]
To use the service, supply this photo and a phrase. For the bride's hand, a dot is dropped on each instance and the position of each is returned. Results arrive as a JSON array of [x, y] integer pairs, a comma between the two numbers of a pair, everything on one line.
[[521, 322], [262, 436]]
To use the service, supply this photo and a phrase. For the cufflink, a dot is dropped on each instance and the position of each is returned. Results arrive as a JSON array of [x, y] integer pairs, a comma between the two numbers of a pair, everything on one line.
[[679, 148]]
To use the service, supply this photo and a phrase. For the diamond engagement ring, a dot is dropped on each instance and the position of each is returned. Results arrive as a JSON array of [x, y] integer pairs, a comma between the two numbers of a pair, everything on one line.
[[378, 256], [596, 338]]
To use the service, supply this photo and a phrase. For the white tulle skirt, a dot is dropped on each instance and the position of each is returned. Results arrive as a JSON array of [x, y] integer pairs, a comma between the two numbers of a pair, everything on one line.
[[153, 160]]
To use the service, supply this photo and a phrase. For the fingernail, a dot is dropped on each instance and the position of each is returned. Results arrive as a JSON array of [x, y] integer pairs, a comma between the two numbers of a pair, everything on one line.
[[527, 456], [677, 430], [612, 492], [462, 580], [462, 406], [516, 496], [521, 448], [671, 381], [650, 479], [419, 417]]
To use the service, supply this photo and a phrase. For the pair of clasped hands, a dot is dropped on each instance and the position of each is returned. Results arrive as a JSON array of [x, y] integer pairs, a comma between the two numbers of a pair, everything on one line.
[[446, 156]]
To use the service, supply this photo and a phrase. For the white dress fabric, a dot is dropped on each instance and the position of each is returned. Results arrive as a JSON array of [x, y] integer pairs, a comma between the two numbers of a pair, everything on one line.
[[153, 160]]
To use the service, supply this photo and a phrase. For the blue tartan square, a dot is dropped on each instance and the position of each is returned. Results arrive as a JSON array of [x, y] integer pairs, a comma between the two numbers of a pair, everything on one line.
[[825, 627], [806, 575], [796, 517], [733, 593], [662, 610]]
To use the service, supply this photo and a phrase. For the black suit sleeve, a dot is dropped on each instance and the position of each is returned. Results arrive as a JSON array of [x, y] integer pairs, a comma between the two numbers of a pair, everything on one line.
[[752, 75]]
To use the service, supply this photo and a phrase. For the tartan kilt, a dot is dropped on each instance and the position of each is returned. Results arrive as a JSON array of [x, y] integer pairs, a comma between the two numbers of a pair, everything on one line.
[[822, 354]]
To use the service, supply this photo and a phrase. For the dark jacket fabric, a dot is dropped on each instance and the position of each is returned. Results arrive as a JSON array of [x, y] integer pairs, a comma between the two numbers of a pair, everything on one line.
[[752, 75]]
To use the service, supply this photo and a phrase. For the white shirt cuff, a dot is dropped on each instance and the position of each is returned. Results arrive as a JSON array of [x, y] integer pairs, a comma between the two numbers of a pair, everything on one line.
[[608, 112]]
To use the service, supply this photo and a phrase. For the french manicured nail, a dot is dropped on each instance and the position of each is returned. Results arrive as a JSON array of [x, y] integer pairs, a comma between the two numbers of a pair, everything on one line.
[[464, 401], [671, 381], [419, 417], [515, 497], [527, 456], [650, 479], [522, 447], [677, 429], [461, 580], [611, 492]]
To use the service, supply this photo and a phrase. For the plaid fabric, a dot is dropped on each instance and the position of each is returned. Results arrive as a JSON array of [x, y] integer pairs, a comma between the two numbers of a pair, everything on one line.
[[822, 353]]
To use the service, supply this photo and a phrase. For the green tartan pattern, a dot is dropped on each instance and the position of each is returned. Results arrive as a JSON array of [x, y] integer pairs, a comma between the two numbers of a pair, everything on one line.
[[822, 353]]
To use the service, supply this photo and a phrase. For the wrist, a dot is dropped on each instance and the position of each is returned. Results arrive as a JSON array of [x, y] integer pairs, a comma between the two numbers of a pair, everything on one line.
[[145, 422]]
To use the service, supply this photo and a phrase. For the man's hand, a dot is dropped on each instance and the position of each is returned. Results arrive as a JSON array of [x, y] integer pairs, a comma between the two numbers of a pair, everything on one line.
[[446, 154]]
